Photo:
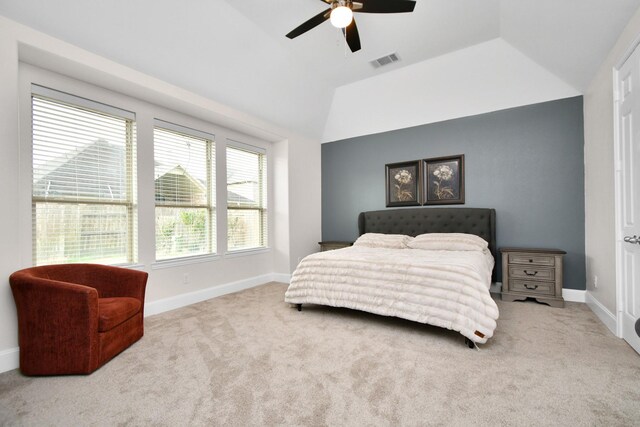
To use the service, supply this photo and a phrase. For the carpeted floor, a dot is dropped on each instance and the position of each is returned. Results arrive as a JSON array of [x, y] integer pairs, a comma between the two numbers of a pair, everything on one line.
[[250, 359]]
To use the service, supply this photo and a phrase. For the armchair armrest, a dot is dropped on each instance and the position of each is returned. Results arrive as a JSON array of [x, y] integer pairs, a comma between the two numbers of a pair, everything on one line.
[[113, 282], [55, 319]]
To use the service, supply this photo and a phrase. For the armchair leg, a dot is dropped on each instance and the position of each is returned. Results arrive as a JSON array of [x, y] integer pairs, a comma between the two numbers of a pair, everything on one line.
[[299, 307]]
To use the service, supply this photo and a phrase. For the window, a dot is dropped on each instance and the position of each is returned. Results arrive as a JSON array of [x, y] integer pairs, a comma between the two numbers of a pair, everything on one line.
[[246, 197], [83, 206], [185, 192]]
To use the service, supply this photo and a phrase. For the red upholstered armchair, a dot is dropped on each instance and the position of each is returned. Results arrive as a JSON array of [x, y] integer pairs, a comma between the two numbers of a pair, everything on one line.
[[73, 318]]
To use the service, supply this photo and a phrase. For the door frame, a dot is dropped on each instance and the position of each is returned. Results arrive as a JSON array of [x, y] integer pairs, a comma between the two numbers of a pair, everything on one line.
[[617, 168]]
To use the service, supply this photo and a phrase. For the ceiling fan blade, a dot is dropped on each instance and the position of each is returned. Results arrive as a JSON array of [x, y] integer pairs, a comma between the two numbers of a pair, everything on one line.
[[310, 24], [386, 6], [351, 35]]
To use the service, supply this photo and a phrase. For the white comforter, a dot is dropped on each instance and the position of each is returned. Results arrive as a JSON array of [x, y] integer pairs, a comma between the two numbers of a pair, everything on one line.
[[449, 289]]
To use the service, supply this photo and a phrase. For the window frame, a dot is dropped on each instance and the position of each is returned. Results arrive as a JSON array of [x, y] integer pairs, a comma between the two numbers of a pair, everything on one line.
[[210, 206], [263, 210], [130, 202], [146, 110]]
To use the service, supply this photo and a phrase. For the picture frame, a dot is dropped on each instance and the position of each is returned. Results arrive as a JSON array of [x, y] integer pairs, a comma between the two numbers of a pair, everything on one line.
[[404, 183], [444, 180]]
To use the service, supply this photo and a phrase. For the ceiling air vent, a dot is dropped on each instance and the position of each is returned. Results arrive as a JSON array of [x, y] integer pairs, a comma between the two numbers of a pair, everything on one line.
[[385, 60]]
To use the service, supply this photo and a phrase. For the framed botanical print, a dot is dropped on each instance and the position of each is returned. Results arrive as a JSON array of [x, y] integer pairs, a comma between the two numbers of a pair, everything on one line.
[[404, 183], [444, 180]]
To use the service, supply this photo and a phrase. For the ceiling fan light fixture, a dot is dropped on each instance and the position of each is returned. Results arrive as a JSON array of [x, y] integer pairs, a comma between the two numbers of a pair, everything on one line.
[[341, 17]]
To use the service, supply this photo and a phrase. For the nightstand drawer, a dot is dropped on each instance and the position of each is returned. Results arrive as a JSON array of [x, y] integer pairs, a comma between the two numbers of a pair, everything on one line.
[[542, 260], [531, 287], [532, 272]]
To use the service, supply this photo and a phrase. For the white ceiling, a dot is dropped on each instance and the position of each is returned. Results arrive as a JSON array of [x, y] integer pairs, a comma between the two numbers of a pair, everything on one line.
[[568, 37], [236, 52], [434, 28]]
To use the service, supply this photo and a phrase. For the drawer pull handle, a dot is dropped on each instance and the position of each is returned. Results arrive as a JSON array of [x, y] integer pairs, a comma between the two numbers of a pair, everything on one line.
[[531, 288], [530, 274], [530, 260]]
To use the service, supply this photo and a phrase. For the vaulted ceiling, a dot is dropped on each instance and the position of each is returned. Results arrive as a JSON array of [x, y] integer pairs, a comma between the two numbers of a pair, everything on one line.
[[236, 52]]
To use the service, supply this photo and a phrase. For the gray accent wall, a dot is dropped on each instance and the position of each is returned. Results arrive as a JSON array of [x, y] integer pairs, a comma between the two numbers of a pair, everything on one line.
[[526, 162]]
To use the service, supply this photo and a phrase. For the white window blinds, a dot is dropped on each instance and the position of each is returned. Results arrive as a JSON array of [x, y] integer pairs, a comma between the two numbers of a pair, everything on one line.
[[83, 196], [184, 192], [246, 198]]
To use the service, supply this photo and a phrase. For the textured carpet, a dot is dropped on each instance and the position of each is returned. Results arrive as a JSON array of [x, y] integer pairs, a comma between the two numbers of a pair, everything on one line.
[[250, 359]]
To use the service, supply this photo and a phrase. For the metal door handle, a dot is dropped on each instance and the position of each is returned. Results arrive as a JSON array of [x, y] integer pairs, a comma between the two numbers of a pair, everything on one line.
[[632, 240]]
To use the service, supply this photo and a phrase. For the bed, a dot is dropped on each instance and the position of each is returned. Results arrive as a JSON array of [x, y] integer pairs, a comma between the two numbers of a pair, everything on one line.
[[441, 277]]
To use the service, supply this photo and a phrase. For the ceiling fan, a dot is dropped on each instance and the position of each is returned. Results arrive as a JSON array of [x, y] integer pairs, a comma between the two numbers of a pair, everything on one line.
[[341, 15]]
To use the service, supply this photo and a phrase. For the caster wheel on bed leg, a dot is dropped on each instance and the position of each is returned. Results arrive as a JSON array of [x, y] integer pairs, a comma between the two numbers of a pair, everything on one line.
[[299, 307], [469, 343]]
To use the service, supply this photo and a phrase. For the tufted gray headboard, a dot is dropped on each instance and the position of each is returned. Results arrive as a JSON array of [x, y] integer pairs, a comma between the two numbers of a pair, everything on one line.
[[478, 221]]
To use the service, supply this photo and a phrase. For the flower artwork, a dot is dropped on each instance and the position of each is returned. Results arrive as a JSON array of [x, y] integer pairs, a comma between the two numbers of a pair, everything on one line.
[[443, 175], [436, 181], [444, 180], [403, 183]]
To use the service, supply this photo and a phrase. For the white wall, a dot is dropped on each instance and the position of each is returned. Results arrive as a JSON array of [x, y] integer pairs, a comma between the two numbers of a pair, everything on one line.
[[207, 47], [599, 173], [305, 209], [296, 158], [165, 282], [486, 77], [9, 218]]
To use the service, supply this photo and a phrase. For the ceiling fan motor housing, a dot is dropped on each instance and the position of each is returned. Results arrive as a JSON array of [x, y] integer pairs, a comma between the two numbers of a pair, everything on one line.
[[338, 3]]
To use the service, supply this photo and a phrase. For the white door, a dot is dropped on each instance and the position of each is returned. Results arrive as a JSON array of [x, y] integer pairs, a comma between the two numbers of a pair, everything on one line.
[[628, 212]]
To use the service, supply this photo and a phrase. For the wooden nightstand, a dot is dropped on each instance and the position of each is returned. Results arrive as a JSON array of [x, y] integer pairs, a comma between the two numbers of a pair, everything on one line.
[[532, 273], [330, 245]]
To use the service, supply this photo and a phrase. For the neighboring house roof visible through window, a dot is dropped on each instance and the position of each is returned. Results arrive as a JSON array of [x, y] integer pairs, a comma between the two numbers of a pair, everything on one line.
[[178, 186], [97, 171]]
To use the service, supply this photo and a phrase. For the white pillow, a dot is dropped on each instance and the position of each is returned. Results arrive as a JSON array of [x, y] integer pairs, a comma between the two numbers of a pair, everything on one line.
[[379, 240], [449, 242]]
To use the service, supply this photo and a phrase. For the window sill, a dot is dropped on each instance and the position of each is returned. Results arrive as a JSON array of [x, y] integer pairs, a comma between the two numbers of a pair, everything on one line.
[[246, 252], [176, 262], [131, 266]]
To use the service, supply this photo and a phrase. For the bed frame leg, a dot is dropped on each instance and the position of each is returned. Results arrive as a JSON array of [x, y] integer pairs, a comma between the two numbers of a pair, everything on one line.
[[299, 307], [469, 343]]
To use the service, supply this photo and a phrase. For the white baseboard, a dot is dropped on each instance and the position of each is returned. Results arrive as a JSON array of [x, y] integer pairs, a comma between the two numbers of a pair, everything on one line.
[[603, 313], [9, 359], [573, 295], [182, 300], [496, 287], [281, 277]]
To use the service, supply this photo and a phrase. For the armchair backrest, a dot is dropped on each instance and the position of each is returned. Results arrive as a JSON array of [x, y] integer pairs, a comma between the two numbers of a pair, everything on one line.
[[108, 281]]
